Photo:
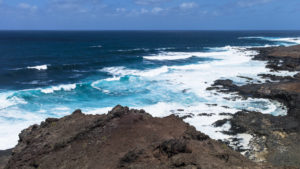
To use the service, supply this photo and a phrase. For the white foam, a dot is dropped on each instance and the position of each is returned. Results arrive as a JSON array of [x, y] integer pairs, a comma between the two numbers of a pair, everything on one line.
[[136, 49], [122, 71], [7, 100], [295, 40], [291, 40], [94, 111], [229, 63], [67, 87], [186, 55], [40, 67], [96, 46], [9, 129], [169, 56], [167, 48], [9, 135]]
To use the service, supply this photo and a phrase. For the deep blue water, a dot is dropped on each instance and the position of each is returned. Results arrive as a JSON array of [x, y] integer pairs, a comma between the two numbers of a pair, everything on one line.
[[75, 56], [50, 73]]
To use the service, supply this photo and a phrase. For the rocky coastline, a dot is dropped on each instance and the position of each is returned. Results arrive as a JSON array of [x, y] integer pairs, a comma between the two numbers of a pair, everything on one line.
[[123, 138], [128, 138], [275, 138]]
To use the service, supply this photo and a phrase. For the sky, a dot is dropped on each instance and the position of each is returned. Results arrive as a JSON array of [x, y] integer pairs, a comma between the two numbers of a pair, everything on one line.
[[150, 14]]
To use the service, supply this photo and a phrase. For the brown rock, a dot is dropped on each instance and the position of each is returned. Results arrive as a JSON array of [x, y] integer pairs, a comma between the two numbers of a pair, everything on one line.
[[121, 139]]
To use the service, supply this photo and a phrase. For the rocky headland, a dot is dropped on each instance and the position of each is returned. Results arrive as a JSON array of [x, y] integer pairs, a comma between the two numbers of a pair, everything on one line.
[[276, 139]]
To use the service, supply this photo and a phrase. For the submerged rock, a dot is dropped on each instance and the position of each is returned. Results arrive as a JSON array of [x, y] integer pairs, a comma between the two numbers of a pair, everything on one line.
[[124, 138]]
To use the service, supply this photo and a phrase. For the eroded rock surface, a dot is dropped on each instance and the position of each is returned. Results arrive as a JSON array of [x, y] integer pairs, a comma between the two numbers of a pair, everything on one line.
[[121, 139]]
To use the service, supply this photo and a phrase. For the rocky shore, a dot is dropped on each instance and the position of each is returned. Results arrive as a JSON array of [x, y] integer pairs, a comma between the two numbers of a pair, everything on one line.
[[123, 138], [276, 139]]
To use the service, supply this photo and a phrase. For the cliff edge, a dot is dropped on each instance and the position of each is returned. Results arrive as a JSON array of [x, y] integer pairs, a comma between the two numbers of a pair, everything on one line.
[[123, 138]]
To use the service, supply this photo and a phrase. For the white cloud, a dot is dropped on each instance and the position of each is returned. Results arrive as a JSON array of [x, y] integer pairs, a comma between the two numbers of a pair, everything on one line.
[[27, 6], [149, 2], [250, 3], [157, 10], [188, 5], [144, 11], [121, 10]]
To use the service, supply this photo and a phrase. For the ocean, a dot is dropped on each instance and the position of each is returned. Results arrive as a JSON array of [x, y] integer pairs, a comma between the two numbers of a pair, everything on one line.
[[51, 73]]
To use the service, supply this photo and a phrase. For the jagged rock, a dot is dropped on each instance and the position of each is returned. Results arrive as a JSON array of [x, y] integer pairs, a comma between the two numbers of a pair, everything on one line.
[[124, 138]]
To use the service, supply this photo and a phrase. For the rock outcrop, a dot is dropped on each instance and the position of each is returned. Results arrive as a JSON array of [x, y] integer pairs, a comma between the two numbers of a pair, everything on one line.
[[281, 58], [276, 138], [123, 138]]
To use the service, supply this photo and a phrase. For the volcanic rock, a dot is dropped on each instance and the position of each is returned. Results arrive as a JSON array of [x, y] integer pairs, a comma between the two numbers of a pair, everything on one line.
[[124, 138]]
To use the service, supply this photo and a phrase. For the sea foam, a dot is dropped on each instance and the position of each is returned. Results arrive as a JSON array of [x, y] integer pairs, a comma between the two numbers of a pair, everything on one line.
[[67, 87], [40, 67], [122, 71], [161, 91], [289, 40]]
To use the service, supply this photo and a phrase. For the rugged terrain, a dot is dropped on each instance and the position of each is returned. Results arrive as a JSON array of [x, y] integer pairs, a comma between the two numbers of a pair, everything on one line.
[[276, 138], [121, 139]]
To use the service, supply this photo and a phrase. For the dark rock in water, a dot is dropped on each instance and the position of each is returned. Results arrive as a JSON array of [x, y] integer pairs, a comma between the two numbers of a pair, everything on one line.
[[275, 138], [225, 114], [123, 138], [244, 77], [220, 123], [212, 88], [276, 78], [185, 90], [180, 109], [285, 92], [212, 105], [187, 116], [206, 114], [297, 76]]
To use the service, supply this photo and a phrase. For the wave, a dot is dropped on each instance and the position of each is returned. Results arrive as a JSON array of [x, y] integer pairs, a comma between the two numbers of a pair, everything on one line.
[[145, 49], [96, 46], [166, 48], [160, 91], [67, 87], [169, 56], [214, 53], [39, 67], [7, 100], [135, 49], [123, 71], [293, 40]]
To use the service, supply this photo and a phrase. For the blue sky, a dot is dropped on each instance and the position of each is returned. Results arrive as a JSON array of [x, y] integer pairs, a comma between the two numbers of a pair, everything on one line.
[[150, 14]]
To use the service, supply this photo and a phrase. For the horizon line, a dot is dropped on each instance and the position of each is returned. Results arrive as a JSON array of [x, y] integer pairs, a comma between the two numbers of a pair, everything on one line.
[[149, 29]]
